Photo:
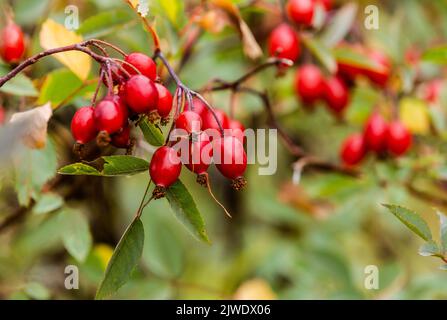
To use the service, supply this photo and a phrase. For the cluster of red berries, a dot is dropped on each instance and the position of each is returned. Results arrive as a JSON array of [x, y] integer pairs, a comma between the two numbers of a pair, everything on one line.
[[379, 137], [12, 42], [137, 94], [205, 143]]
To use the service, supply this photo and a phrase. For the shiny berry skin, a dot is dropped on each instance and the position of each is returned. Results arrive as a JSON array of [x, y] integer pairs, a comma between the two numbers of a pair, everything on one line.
[[336, 94], [121, 139], [309, 84], [200, 153], [143, 63], [165, 167], [109, 116], [284, 43], [209, 121], [199, 107], [83, 125], [301, 11], [164, 105], [375, 133], [230, 157], [399, 138], [140, 94], [121, 104], [379, 77], [353, 150], [12, 44], [189, 121], [237, 129]]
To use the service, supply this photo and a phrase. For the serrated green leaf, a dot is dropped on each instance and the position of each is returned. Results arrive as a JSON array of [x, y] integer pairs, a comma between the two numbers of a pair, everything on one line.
[[412, 220], [443, 232], [436, 55], [124, 260], [340, 25], [186, 211], [151, 133], [104, 23], [48, 202], [429, 248], [321, 52]]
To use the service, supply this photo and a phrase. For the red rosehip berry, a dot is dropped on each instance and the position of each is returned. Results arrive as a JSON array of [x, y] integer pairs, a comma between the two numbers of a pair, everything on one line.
[[83, 125], [143, 63], [301, 11], [12, 43], [200, 153], [237, 129], [375, 133], [189, 121], [199, 107], [165, 168], [327, 4], [309, 84], [164, 105], [109, 116], [399, 138], [121, 104], [121, 139], [284, 43], [381, 76], [140, 94], [230, 159], [353, 150], [209, 121], [336, 94]]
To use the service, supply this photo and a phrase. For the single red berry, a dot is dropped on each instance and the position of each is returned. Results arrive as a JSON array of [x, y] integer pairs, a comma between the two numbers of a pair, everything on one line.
[[284, 43], [209, 121], [164, 106], [200, 153], [382, 75], [121, 104], [301, 11], [189, 121], [353, 150], [165, 167], [237, 129], [121, 139], [2, 115], [143, 63], [309, 83], [230, 157], [336, 94], [399, 138], [83, 125], [140, 94], [12, 43], [375, 133], [109, 116], [327, 4], [199, 107]]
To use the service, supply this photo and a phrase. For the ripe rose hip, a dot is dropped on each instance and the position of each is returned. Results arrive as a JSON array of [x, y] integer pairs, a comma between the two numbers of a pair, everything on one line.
[[12, 44], [109, 116], [284, 43], [309, 83], [327, 4], [164, 169], [164, 105], [200, 153], [237, 129], [301, 11], [121, 139], [353, 150], [399, 138], [381, 76], [210, 123], [83, 125], [375, 133], [336, 94], [189, 121], [140, 94], [121, 104], [143, 63], [199, 107]]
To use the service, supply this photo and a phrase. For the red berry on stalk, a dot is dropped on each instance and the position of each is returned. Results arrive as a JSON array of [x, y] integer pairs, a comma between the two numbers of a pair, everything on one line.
[[301, 11], [399, 138], [382, 75], [336, 94], [237, 129], [200, 153], [353, 150], [83, 125], [165, 167], [119, 101], [164, 105], [109, 116], [12, 44], [376, 133], [199, 107], [309, 83], [209, 121], [143, 63], [121, 139], [140, 94], [189, 121], [284, 43]]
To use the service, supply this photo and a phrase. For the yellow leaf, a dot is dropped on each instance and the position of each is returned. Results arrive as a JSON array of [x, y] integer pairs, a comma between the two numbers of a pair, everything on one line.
[[414, 114], [54, 35], [104, 252]]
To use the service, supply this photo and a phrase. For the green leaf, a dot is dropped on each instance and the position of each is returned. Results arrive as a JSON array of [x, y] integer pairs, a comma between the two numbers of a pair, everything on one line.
[[186, 211], [412, 220], [340, 25], [108, 166], [443, 232], [124, 260], [151, 133], [75, 233], [347, 55], [48, 202], [321, 52], [436, 55], [429, 248], [104, 23], [20, 85], [173, 10], [37, 291]]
